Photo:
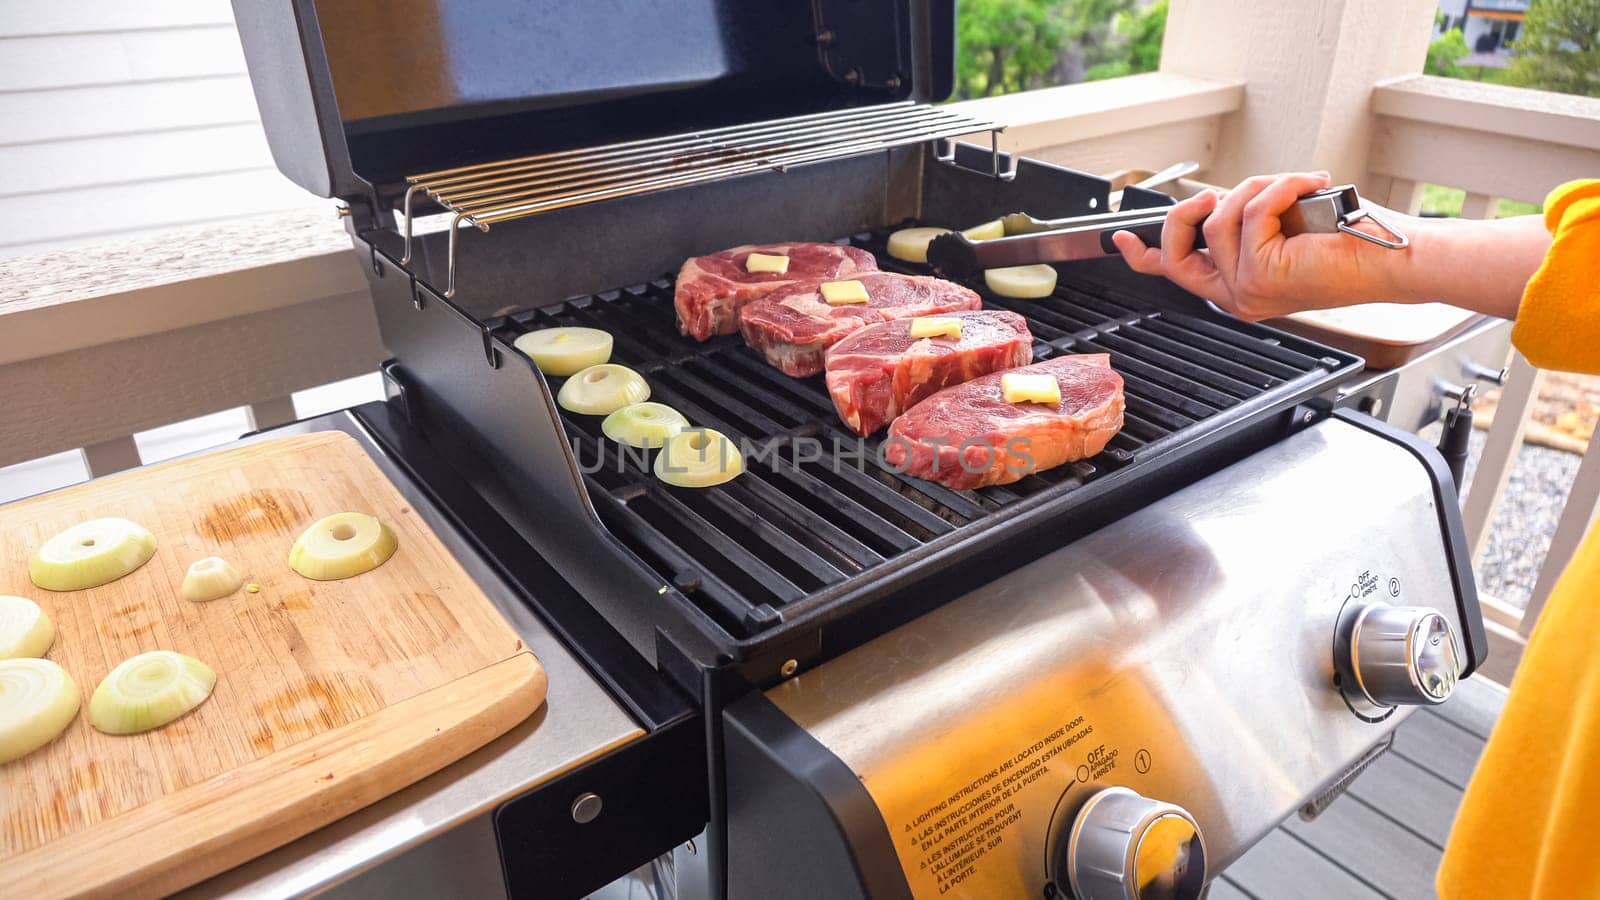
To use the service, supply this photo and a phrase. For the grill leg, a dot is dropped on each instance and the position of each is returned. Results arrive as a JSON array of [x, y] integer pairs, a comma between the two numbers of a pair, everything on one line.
[[111, 456]]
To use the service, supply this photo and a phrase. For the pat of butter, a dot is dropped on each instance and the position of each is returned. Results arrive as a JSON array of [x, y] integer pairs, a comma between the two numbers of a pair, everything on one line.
[[1017, 387], [843, 293], [766, 262], [935, 326]]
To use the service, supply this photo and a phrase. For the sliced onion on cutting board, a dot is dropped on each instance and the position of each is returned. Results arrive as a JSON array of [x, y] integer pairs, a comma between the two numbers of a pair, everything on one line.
[[698, 458], [209, 579], [911, 244], [602, 390], [148, 691], [37, 702], [342, 545], [25, 630], [643, 424], [1022, 282], [565, 350], [90, 554]]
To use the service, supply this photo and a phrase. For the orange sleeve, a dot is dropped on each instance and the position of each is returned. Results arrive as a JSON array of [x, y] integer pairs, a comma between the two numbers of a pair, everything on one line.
[[1558, 325], [1526, 826]]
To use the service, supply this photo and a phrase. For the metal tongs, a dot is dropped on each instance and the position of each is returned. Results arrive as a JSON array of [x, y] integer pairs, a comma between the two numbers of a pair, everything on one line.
[[1029, 240]]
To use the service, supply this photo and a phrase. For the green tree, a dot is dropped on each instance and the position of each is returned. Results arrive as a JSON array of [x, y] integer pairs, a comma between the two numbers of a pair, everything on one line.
[[1145, 36], [1006, 45], [1143, 32], [1559, 48], [1017, 45], [1445, 54], [1095, 35]]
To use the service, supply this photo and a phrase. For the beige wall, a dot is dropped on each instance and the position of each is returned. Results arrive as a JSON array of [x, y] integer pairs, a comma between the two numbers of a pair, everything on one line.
[[1310, 69]]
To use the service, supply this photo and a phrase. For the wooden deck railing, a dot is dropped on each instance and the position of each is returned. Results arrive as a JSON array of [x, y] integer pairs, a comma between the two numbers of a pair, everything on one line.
[[99, 343], [1495, 142]]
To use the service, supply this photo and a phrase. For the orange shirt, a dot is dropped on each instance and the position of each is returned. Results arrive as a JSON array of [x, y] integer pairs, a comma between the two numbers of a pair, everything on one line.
[[1529, 825]]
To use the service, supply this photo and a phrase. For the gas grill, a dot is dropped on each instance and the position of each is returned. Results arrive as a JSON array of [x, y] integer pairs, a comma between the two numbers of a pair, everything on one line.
[[849, 681]]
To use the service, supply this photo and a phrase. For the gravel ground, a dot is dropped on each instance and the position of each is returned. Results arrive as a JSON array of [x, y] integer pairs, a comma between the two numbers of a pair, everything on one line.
[[1529, 511]]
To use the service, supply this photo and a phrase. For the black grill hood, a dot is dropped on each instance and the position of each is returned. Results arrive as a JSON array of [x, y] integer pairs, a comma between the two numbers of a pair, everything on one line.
[[357, 94]]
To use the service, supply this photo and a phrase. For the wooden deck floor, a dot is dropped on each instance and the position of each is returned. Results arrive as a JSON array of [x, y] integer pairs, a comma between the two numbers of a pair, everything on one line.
[[1384, 837]]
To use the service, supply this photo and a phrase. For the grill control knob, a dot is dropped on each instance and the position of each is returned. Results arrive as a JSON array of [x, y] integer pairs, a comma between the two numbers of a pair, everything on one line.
[[1391, 656], [1122, 846]]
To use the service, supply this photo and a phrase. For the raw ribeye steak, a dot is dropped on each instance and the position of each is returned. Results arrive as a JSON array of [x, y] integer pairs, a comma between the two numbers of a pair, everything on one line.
[[968, 436], [711, 289], [881, 371], [794, 327]]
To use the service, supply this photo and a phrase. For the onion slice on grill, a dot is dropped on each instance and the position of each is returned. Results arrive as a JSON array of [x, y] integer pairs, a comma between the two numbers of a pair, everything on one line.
[[988, 231], [911, 244], [90, 554], [698, 458], [602, 390], [643, 424], [25, 630], [342, 545], [564, 350], [1022, 282], [148, 691], [37, 702], [211, 578]]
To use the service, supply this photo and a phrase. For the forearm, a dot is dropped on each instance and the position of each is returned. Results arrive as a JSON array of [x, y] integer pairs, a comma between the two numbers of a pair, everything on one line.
[[1252, 269], [1481, 265]]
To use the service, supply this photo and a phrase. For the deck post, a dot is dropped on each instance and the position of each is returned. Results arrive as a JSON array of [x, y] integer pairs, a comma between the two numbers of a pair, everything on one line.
[[1576, 517], [1500, 453], [1310, 67], [111, 455]]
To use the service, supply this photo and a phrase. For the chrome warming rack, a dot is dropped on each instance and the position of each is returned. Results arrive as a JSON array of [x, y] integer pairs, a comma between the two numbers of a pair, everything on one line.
[[486, 194]]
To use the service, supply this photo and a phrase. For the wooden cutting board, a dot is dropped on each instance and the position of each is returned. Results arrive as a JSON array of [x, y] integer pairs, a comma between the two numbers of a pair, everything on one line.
[[1386, 335], [329, 696]]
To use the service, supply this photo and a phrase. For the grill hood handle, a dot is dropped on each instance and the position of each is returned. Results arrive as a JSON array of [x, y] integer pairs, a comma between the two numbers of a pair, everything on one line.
[[1029, 240]]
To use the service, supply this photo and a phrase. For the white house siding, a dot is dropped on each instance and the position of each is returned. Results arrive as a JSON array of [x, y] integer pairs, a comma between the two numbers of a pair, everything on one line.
[[1474, 25], [1453, 11], [126, 117]]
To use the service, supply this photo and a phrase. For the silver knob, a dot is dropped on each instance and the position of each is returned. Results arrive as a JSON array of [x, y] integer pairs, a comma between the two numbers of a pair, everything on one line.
[[1398, 655], [1127, 847]]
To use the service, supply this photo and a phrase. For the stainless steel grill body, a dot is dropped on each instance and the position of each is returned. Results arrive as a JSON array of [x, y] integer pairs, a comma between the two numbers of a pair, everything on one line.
[[1185, 652], [782, 571]]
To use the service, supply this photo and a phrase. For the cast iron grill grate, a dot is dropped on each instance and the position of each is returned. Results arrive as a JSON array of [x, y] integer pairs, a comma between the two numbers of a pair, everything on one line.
[[798, 527]]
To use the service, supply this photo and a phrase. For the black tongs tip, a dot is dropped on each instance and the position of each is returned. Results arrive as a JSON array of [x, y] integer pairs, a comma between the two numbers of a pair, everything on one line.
[[952, 255]]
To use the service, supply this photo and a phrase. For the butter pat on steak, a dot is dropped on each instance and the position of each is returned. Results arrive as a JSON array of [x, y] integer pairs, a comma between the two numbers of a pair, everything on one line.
[[794, 327], [881, 370], [968, 436], [711, 289]]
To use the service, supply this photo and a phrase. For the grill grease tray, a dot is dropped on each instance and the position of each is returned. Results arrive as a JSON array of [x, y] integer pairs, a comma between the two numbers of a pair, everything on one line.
[[816, 517]]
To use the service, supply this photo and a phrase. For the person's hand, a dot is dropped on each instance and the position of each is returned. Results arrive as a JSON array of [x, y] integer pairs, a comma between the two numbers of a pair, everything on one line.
[[1249, 267]]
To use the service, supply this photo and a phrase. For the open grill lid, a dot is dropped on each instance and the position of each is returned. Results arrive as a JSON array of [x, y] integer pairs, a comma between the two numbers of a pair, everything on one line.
[[357, 94]]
